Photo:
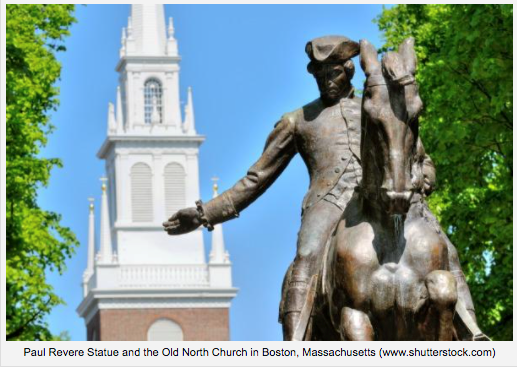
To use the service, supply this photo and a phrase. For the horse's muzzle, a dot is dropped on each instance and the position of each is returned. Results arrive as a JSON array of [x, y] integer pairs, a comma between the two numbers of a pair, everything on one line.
[[396, 202]]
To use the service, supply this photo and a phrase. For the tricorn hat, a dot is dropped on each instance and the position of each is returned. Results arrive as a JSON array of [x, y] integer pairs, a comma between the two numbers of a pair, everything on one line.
[[331, 49]]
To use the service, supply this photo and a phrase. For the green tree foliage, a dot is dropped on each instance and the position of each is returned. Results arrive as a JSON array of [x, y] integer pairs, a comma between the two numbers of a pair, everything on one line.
[[36, 242], [63, 336], [466, 82]]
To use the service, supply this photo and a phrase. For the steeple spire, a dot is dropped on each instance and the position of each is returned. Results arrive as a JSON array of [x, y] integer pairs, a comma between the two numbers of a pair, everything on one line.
[[149, 45], [123, 43], [188, 124], [91, 239], [88, 272], [172, 45], [130, 27], [218, 255], [170, 29], [120, 118], [106, 251], [112, 121], [148, 29]]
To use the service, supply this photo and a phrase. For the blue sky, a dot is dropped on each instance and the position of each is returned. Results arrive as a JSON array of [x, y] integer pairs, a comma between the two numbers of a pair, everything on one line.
[[247, 67]]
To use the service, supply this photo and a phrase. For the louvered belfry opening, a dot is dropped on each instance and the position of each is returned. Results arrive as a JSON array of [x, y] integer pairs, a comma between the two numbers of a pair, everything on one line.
[[174, 176], [141, 193]]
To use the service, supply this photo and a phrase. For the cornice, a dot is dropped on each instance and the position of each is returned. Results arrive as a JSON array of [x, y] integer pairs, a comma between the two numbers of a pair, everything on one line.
[[194, 140], [154, 298], [146, 60]]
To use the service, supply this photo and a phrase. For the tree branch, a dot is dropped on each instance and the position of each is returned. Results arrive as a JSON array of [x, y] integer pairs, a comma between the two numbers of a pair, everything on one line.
[[479, 86], [21, 329]]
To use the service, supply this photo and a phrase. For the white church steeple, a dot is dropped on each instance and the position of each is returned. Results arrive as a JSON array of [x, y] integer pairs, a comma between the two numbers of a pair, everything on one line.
[[151, 156], [149, 74], [148, 29]]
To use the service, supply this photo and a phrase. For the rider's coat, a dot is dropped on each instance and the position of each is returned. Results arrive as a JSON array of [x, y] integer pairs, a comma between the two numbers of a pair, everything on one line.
[[327, 138]]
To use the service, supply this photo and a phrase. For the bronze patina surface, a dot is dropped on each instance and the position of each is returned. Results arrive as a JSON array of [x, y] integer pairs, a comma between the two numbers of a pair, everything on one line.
[[372, 262]]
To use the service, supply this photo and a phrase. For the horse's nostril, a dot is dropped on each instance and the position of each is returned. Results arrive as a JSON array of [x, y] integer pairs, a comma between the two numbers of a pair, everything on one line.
[[397, 202], [404, 196]]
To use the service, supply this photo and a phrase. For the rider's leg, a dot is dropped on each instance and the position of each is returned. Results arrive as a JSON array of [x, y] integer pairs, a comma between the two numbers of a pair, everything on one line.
[[317, 223], [355, 325], [463, 288], [443, 295]]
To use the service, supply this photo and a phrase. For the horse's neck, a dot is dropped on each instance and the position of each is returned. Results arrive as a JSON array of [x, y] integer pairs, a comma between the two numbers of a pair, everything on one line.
[[372, 174], [371, 208]]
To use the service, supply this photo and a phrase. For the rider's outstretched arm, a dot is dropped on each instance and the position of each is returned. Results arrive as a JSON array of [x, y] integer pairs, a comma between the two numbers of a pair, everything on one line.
[[278, 152]]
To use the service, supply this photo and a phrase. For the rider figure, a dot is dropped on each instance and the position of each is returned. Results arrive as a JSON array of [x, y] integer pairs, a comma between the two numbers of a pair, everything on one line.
[[326, 133]]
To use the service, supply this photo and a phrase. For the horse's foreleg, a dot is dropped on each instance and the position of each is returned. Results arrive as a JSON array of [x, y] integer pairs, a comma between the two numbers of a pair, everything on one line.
[[443, 295], [355, 325]]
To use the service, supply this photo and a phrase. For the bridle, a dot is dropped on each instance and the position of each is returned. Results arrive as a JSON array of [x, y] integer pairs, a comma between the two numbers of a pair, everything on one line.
[[375, 80]]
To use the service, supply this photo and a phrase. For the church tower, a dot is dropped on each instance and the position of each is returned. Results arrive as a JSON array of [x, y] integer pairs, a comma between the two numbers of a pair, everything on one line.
[[143, 284]]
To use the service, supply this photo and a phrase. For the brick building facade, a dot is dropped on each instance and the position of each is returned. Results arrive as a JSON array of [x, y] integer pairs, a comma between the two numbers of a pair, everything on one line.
[[134, 324]]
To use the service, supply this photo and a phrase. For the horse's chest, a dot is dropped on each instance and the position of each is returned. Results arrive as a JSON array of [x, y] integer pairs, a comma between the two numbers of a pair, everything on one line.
[[398, 280], [396, 286]]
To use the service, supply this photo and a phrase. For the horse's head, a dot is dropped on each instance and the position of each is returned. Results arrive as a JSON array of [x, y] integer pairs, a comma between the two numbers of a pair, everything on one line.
[[391, 106]]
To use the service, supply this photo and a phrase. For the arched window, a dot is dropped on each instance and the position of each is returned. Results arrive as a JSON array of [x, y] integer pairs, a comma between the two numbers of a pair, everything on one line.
[[174, 176], [165, 330], [153, 101], [141, 193]]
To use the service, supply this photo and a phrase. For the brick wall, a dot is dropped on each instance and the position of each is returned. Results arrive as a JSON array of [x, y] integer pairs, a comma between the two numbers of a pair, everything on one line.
[[133, 324]]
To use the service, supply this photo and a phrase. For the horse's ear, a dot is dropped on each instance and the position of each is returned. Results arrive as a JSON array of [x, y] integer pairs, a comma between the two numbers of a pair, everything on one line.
[[369, 62], [407, 51]]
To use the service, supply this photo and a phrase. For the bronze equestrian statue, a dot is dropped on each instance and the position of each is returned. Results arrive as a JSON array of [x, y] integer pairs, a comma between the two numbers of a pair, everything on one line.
[[386, 274], [327, 134]]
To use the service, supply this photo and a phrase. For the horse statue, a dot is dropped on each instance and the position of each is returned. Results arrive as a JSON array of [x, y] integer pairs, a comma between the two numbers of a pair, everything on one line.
[[385, 272]]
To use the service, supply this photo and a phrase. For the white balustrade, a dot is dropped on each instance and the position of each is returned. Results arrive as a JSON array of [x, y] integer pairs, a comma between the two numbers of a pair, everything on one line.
[[163, 276]]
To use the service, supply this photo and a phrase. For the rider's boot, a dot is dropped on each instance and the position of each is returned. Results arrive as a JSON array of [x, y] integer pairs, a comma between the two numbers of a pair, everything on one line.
[[289, 324], [464, 292], [296, 295], [469, 319]]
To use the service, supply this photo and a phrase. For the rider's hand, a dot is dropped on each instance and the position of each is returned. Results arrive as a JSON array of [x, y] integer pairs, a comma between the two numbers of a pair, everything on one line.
[[184, 221]]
